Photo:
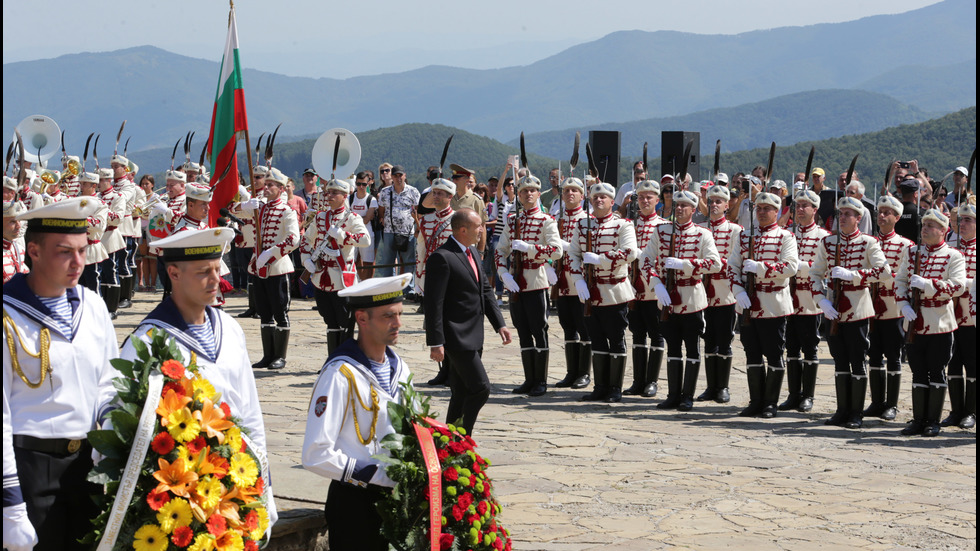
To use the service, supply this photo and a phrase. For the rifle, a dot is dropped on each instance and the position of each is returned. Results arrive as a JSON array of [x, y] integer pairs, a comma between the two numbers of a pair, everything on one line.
[[876, 286], [670, 276], [517, 257], [834, 324], [634, 272], [589, 269], [559, 264], [750, 277], [796, 225]]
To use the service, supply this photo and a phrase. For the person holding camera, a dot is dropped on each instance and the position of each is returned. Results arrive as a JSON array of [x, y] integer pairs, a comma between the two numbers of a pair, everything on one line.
[[397, 205]]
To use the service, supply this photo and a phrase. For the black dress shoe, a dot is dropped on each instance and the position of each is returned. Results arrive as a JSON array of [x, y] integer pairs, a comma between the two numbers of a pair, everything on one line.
[[246, 314], [837, 419], [634, 389], [855, 421], [931, 429], [968, 421], [752, 410], [525, 387], [889, 414], [649, 391], [582, 382], [914, 428], [539, 389], [708, 394], [440, 379], [670, 402], [723, 396], [806, 404], [769, 411]]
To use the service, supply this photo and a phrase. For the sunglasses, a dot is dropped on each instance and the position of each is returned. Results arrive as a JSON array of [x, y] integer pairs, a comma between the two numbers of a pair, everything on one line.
[[384, 170], [361, 184]]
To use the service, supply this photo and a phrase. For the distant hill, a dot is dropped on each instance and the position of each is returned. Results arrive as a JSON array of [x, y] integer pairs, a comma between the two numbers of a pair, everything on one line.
[[787, 119], [624, 76], [913, 85]]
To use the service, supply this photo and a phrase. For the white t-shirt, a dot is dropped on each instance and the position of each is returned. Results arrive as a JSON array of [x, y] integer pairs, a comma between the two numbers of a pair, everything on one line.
[[360, 206]]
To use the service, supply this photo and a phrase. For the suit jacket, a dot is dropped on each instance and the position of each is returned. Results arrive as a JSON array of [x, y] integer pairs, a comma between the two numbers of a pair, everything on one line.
[[456, 301]]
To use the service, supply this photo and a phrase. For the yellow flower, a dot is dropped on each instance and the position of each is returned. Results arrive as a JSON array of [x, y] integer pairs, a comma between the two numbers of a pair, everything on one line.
[[184, 453], [150, 538], [174, 477], [259, 531], [203, 542], [183, 426], [230, 541], [243, 471], [208, 492], [205, 387], [176, 513], [234, 439]]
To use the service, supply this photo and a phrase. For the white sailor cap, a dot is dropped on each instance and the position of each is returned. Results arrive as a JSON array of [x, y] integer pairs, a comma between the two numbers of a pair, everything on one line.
[[445, 185], [337, 184], [887, 201], [88, 177], [851, 203], [276, 176], [573, 182], [529, 182], [770, 199], [968, 210], [198, 192], [119, 160], [9, 183], [260, 171], [602, 188], [936, 216], [191, 166], [722, 178], [176, 176], [719, 192], [105, 174], [68, 216], [686, 197], [202, 244], [648, 185], [12, 209], [377, 291], [809, 196]]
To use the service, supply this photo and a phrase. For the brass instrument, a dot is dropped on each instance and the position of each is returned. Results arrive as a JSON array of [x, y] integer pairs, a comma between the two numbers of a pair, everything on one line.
[[41, 135]]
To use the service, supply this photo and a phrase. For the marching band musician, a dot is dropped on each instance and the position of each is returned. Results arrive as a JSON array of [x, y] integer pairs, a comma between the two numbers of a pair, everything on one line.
[[113, 241], [861, 263], [53, 192], [803, 326], [13, 254], [327, 254], [694, 255], [719, 316], [963, 392], [613, 248], [534, 235], [271, 266], [95, 253], [60, 342], [644, 318], [578, 347], [433, 229], [937, 272], [887, 336], [10, 194], [773, 259], [69, 183]]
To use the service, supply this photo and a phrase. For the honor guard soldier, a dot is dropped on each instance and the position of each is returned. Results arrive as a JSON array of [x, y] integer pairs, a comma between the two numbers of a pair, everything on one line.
[[113, 241], [95, 253], [529, 240], [852, 261], [578, 346], [602, 252], [963, 392], [719, 316], [433, 230], [207, 336], [271, 265], [13, 254], [130, 227], [58, 342], [328, 255], [676, 258], [759, 270], [803, 326], [886, 334], [928, 282], [644, 315], [348, 414]]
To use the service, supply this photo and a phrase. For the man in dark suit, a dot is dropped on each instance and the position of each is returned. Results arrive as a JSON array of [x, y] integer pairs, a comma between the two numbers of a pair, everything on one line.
[[457, 296]]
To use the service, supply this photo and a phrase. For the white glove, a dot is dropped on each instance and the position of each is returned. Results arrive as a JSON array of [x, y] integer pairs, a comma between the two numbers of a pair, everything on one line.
[[520, 246], [18, 532], [750, 266], [550, 272], [509, 283], [591, 258], [828, 309], [743, 300], [909, 313], [582, 288], [842, 274], [252, 204], [565, 246], [263, 258], [663, 297], [672, 263], [310, 265], [918, 282], [336, 232], [158, 209], [331, 252]]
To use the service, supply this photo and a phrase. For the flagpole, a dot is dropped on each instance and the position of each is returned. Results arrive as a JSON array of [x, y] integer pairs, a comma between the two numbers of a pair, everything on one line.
[[251, 172]]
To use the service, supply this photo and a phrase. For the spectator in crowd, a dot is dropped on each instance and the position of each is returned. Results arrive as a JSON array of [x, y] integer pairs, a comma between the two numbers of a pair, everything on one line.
[[397, 210], [366, 205]]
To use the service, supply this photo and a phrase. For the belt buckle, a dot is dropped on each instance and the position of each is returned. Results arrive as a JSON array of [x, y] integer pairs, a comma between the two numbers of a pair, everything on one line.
[[74, 445]]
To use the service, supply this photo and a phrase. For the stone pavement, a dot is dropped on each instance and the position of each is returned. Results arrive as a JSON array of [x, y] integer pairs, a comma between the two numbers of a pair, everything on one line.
[[574, 476]]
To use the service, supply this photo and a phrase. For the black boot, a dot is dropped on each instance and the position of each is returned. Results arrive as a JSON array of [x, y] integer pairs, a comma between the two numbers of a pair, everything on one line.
[[250, 311], [957, 393], [859, 388], [654, 363], [675, 381], [809, 385], [920, 403], [691, 371], [876, 381], [969, 419], [112, 293], [770, 396], [600, 365], [640, 357], [710, 375], [723, 375], [934, 410], [540, 373], [893, 385], [268, 348], [572, 351], [617, 371], [125, 284], [527, 362], [794, 383], [756, 375], [280, 343], [842, 387], [584, 366]]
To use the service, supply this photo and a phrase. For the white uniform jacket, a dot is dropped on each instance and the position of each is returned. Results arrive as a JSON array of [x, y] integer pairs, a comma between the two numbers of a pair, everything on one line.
[[567, 231], [434, 230], [328, 275], [539, 231], [808, 238], [614, 240], [963, 308], [858, 252], [695, 246], [945, 271], [896, 248], [95, 251], [775, 248], [113, 238], [718, 286], [280, 232]]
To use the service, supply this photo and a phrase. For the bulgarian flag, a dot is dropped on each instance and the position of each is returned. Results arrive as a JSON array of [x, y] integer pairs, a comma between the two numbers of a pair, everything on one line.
[[228, 123]]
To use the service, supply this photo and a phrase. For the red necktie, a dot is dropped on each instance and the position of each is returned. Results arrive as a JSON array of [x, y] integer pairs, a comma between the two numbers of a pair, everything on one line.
[[476, 272]]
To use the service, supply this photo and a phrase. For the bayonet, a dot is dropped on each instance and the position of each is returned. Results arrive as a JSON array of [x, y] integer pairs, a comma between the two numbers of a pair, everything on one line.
[[837, 285]]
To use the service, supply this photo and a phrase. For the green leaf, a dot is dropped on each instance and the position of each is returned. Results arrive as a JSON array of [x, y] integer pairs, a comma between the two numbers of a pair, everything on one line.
[[123, 366], [124, 423], [107, 443]]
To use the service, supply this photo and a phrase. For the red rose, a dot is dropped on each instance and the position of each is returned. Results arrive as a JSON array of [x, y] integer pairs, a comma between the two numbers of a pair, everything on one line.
[[196, 445], [451, 474], [157, 499], [172, 369], [182, 536], [446, 541], [217, 525], [163, 443], [458, 512], [481, 508], [442, 454], [466, 499]]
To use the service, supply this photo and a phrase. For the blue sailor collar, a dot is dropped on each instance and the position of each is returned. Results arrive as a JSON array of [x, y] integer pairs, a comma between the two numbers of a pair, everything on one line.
[[350, 351], [166, 316], [18, 295]]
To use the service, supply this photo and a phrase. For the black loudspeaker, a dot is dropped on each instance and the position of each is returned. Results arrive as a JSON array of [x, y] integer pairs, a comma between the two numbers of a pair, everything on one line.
[[605, 149], [672, 149]]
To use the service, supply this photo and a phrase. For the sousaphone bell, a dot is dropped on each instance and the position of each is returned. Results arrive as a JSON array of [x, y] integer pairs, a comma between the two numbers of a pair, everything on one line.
[[41, 137], [348, 155]]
